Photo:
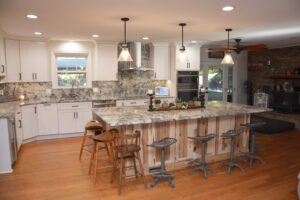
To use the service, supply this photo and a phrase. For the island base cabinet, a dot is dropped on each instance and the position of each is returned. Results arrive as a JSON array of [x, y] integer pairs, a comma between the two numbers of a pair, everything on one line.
[[184, 150]]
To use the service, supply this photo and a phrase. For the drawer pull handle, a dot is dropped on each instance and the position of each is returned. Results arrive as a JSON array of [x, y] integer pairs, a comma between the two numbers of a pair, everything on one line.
[[75, 106]]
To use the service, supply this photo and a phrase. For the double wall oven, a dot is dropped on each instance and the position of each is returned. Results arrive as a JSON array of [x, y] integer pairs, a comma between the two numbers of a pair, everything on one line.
[[187, 85]]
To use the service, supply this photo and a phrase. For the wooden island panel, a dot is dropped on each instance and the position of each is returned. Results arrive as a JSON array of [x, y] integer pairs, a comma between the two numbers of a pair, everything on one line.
[[178, 155]]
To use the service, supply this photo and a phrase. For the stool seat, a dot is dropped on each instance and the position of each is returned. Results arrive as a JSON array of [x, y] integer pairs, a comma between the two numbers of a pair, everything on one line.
[[203, 138], [254, 123], [92, 125], [232, 133], [165, 142], [129, 148]]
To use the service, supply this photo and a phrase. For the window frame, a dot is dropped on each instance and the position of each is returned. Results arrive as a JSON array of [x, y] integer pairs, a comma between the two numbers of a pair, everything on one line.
[[55, 71]]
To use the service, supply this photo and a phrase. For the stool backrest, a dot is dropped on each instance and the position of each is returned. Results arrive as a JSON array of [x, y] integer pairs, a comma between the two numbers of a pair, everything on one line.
[[121, 139]]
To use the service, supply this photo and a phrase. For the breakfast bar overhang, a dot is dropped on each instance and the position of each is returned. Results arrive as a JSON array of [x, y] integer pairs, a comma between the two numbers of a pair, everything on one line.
[[217, 117]]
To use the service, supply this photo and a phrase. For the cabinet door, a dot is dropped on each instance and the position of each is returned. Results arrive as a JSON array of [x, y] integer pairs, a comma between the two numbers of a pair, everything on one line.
[[82, 117], [19, 133], [29, 121], [2, 58], [161, 62], [67, 121], [107, 62], [12, 52], [194, 57], [47, 119], [34, 61]]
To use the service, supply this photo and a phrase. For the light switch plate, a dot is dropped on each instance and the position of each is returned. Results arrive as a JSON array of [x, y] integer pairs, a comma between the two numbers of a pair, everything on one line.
[[95, 90]]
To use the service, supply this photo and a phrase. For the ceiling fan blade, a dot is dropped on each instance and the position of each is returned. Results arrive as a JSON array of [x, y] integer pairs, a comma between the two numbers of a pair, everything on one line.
[[256, 47], [219, 50]]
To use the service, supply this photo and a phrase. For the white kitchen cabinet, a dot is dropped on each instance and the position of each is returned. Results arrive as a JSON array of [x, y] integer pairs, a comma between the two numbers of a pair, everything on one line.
[[47, 119], [133, 102], [13, 66], [34, 61], [72, 117], [29, 121], [107, 62], [2, 57], [19, 132], [161, 61], [67, 121], [193, 53]]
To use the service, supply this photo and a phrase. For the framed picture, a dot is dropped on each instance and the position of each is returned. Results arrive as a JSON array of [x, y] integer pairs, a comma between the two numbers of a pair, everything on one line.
[[219, 54]]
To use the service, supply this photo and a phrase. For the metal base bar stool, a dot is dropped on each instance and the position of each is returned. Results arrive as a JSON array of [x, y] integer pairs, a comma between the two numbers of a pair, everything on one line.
[[231, 134], [105, 138], [252, 125], [162, 144], [127, 147], [201, 165], [92, 126]]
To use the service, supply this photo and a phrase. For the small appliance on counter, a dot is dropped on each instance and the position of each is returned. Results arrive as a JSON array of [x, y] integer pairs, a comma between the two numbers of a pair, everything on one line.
[[161, 91]]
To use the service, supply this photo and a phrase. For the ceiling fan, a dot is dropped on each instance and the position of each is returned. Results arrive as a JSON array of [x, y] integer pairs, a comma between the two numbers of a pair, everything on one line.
[[238, 47]]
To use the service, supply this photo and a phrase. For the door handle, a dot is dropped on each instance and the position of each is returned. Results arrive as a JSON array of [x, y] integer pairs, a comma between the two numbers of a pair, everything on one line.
[[20, 124], [2, 68]]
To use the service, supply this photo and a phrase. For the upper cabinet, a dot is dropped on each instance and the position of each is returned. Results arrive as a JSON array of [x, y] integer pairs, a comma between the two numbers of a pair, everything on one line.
[[34, 61], [13, 65], [193, 53], [106, 68], [2, 58], [26, 61], [161, 61]]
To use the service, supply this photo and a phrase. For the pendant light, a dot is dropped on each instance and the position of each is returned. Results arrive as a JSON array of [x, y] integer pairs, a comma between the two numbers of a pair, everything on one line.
[[182, 57], [227, 57], [125, 55]]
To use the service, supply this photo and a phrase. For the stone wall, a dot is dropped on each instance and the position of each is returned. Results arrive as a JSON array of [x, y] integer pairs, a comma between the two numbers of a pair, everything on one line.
[[265, 63], [131, 84]]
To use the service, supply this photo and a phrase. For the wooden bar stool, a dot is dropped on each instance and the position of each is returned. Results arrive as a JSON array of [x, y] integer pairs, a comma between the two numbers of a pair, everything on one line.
[[127, 147], [92, 126], [107, 139]]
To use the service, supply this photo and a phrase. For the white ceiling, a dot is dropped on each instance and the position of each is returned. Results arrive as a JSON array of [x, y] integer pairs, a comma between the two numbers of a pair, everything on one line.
[[274, 22]]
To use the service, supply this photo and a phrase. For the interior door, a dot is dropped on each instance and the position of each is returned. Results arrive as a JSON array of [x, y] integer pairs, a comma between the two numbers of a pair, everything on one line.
[[219, 80]]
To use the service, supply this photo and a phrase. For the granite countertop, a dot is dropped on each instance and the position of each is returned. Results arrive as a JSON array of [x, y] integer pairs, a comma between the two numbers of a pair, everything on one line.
[[8, 109], [116, 116]]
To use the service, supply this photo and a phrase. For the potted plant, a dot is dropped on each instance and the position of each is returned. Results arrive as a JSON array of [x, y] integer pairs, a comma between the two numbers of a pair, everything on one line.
[[171, 104], [157, 103], [196, 101], [178, 103], [184, 104]]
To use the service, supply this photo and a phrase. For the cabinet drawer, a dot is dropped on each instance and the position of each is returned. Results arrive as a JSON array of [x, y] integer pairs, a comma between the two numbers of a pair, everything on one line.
[[76, 105]]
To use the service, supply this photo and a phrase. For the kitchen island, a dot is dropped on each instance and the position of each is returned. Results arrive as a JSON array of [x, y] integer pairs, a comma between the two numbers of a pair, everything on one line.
[[217, 117]]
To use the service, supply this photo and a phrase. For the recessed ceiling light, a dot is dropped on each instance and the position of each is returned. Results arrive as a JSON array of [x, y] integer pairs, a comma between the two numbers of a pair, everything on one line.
[[37, 33], [145, 38], [31, 16], [194, 41], [228, 8], [95, 36]]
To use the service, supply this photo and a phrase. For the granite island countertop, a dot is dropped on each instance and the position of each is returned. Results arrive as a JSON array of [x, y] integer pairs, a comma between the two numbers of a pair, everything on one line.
[[117, 116]]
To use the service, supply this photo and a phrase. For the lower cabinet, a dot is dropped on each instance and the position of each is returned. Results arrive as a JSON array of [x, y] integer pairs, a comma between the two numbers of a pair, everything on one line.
[[29, 121], [47, 119], [72, 117], [19, 132]]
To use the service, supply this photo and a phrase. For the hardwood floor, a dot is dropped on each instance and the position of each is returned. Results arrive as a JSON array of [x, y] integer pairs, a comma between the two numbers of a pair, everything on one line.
[[51, 170]]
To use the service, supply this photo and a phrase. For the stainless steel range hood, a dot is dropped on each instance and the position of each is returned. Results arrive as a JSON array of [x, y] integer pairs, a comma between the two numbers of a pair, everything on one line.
[[141, 54]]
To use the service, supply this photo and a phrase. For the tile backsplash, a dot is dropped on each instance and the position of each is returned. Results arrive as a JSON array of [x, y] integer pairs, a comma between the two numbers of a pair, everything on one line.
[[130, 84]]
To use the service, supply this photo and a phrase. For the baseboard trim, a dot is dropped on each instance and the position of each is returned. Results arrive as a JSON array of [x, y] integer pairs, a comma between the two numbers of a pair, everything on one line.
[[51, 137]]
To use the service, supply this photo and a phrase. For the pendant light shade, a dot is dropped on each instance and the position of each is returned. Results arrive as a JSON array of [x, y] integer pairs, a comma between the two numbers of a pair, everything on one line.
[[125, 55], [227, 60], [182, 55]]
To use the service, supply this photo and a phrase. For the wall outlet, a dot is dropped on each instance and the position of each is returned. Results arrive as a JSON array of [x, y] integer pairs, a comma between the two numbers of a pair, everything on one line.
[[95, 90], [1, 92]]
